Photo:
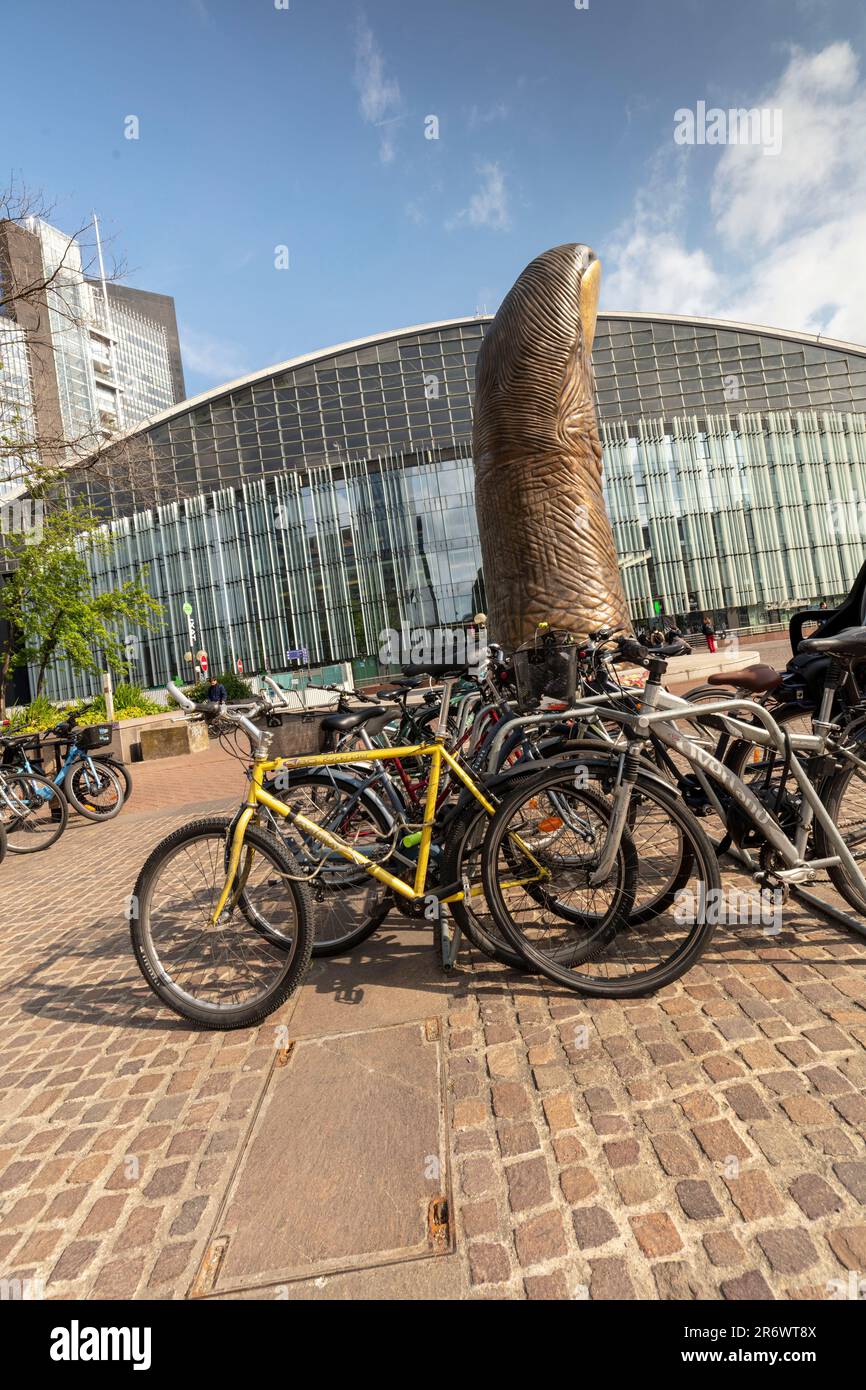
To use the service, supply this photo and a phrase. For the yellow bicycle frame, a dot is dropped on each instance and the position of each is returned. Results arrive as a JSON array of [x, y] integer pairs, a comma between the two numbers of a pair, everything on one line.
[[257, 796]]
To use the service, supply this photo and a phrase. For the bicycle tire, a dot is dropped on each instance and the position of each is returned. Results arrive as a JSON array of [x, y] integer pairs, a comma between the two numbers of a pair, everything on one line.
[[474, 919], [832, 790], [119, 769], [14, 826], [649, 900], [289, 972], [619, 929], [81, 799], [323, 892]]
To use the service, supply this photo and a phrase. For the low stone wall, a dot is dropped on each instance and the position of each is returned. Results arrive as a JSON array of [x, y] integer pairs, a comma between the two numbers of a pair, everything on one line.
[[173, 740], [126, 743]]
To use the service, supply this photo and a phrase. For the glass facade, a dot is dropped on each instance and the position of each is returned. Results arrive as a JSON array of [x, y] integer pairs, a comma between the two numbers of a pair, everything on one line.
[[748, 517], [16, 400], [324, 500], [138, 364], [415, 389], [324, 559]]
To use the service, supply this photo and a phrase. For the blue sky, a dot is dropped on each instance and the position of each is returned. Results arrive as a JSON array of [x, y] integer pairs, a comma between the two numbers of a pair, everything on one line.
[[304, 127]]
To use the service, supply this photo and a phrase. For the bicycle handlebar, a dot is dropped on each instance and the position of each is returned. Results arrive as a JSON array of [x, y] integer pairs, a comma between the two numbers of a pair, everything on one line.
[[269, 680], [210, 710], [632, 650]]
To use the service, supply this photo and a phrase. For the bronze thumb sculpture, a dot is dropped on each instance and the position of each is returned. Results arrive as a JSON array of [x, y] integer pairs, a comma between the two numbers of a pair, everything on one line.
[[546, 540]]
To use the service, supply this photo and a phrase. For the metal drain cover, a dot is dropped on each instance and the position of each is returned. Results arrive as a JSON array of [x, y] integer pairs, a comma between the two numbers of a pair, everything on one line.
[[345, 1164]]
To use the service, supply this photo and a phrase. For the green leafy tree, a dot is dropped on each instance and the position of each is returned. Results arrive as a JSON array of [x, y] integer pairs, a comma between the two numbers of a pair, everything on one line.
[[48, 601]]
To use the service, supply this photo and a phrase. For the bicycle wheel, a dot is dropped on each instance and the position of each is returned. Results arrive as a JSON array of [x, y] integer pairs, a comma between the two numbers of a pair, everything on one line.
[[348, 903], [461, 857], [232, 974], [34, 813], [600, 948], [843, 794], [94, 789], [761, 767], [120, 770], [666, 859]]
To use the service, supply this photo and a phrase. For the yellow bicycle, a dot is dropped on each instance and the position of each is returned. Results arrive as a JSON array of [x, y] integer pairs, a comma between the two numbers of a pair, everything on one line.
[[223, 920]]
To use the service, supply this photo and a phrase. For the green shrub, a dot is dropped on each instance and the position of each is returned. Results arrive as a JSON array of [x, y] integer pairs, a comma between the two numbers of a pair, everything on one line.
[[236, 689], [39, 714], [128, 697], [130, 702]]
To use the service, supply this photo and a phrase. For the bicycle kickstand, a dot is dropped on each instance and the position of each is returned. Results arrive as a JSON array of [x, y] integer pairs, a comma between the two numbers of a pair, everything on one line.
[[448, 936]]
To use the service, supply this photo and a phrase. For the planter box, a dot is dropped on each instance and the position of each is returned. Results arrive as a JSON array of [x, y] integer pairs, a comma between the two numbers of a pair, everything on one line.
[[173, 740], [126, 744]]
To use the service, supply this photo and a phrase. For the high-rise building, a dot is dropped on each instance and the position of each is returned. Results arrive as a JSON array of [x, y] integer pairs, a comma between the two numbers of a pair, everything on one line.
[[83, 359]]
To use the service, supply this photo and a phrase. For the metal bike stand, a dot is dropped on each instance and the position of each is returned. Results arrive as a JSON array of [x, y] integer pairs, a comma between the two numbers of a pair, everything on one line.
[[827, 910], [835, 914]]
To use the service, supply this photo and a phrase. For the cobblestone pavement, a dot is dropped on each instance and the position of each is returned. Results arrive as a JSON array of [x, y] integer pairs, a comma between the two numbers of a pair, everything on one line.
[[706, 1142]]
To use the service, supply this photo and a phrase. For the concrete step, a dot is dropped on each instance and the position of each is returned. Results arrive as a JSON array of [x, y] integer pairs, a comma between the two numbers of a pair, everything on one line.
[[699, 665]]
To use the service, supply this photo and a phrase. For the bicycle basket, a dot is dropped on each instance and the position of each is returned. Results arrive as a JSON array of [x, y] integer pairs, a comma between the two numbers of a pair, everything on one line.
[[93, 736], [297, 733], [546, 666]]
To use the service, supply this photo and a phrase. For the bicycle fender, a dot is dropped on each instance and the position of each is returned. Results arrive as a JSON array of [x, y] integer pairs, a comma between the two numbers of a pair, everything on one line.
[[342, 779], [590, 760]]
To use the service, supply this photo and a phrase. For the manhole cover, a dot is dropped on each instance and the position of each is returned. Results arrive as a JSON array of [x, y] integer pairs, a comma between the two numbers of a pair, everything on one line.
[[345, 1164]]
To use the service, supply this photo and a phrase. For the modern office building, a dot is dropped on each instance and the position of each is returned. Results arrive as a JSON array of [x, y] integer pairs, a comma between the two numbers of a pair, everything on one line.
[[99, 358], [81, 359], [314, 504]]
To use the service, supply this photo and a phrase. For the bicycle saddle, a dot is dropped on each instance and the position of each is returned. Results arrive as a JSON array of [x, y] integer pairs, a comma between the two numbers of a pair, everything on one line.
[[437, 670], [851, 641], [397, 688], [754, 678], [351, 719]]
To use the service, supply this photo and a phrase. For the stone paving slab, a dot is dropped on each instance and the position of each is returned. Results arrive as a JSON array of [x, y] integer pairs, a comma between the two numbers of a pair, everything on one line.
[[708, 1141]]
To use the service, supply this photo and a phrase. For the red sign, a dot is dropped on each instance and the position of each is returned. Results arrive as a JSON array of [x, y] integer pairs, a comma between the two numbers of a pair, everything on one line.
[[240, 667], [202, 661]]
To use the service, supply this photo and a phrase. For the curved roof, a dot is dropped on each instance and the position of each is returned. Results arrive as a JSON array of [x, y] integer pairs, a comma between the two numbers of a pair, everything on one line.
[[337, 349]]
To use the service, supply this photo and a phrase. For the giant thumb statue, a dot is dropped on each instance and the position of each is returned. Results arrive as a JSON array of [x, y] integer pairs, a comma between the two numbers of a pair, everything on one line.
[[546, 542]]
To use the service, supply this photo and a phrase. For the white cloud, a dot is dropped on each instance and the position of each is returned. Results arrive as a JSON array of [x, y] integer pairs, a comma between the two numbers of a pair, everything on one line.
[[488, 206], [757, 198], [484, 116], [651, 266], [380, 99], [209, 356], [787, 231]]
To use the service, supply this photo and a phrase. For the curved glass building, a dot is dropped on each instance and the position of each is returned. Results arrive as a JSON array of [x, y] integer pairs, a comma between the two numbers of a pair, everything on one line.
[[315, 503]]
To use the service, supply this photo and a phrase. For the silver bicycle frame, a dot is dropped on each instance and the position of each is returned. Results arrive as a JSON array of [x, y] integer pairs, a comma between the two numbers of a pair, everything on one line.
[[655, 720]]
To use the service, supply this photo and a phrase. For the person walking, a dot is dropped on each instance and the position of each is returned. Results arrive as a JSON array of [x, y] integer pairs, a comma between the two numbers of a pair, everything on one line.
[[216, 692], [709, 631]]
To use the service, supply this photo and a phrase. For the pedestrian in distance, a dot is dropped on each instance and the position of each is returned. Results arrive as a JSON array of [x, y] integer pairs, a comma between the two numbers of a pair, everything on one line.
[[709, 631], [216, 692]]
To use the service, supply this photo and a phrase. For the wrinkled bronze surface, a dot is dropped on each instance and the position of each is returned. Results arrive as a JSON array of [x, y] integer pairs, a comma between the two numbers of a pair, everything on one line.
[[546, 540]]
